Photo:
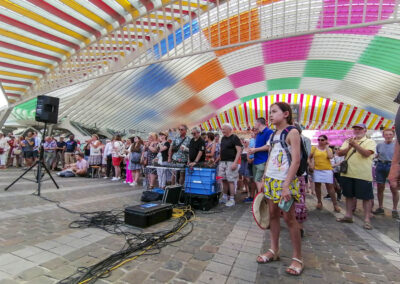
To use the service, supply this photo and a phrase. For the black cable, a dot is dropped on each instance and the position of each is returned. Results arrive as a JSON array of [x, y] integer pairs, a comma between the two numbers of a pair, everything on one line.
[[137, 243]]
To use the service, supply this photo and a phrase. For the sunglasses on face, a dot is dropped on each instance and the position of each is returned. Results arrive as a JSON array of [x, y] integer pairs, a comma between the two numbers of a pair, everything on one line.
[[321, 140], [194, 133]]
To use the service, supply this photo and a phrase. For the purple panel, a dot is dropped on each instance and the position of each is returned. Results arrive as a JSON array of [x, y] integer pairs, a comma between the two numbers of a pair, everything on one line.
[[356, 17], [224, 99], [249, 76], [287, 49]]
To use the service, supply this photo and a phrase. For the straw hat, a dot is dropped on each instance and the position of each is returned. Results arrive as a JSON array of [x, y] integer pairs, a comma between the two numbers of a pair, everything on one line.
[[261, 211]]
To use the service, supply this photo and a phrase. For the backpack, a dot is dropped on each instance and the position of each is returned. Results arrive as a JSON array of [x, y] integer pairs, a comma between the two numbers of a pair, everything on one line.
[[303, 152]]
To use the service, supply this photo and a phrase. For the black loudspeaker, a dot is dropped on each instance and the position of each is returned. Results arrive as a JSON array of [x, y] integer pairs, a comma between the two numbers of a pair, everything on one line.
[[47, 109]]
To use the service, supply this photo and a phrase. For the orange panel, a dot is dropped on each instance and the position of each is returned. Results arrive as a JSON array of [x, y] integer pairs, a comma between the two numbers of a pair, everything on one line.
[[189, 105], [204, 76], [249, 30], [266, 2]]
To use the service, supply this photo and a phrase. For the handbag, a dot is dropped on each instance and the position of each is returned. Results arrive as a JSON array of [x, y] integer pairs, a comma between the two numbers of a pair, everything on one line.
[[17, 152], [176, 148], [1, 151], [344, 166]]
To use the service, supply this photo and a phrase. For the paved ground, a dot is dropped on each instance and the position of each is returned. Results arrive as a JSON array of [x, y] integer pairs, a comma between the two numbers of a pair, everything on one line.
[[37, 246]]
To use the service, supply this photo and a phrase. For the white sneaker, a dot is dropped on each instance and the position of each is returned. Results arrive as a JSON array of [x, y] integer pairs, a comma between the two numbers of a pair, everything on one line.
[[230, 203], [105, 177], [223, 200], [114, 179], [133, 184]]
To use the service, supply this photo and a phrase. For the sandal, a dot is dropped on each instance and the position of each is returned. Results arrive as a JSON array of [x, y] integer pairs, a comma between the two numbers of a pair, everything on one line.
[[367, 226], [265, 259], [344, 220], [337, 209], [297, 271], [319, 206]]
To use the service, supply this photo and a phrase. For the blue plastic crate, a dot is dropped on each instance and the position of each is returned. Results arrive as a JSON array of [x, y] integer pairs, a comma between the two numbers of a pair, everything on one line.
[[200, 181]]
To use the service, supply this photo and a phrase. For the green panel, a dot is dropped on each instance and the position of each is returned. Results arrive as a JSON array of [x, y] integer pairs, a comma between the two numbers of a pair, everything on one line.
[[25, 110], [248, 98], [382, 53], [283, 83], [330, 69]]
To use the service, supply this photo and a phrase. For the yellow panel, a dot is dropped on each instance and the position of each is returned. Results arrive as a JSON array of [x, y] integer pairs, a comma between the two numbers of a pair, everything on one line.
[[346, 112], [388, 123], [360, 115], [232, 118], [26, 60], [222, 118], [373, 121], [11, 74], [316, 122], [333, 107], [250, 112], [260, 108], [305, 119], [43, 20], [14, 89], [128, 7], [33, 42], [88, 14]]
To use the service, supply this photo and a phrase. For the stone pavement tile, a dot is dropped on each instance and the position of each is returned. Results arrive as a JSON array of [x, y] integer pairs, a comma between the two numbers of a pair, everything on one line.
[[8, 258], [62, 250], [85, 261], [220, 268], [61, 272], [225, 259], [173, 264], [348, 268], [115, 275], [17, 267], [355, 278], [243, 274], [247, 265], [163, 275], [209, 277], [31, 273], [46, 245], [54, 263], [252, 250], [28, 251], [196, 264], [42, 257], [228, 251], [234, 280], [135, 277], [4, 275], [203, 255], [9, 281], [183, 256], [189, 274], [42, 280]]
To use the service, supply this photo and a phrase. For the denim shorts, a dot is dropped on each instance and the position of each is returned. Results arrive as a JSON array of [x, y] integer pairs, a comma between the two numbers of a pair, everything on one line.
[[382, 171]]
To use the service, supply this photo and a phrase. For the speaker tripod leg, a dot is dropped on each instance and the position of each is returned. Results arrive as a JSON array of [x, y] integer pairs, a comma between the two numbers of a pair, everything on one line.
[[21, 176], [48, 172]]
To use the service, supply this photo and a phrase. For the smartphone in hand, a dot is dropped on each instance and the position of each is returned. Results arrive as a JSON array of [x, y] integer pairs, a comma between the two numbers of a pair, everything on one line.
[[285, 205]]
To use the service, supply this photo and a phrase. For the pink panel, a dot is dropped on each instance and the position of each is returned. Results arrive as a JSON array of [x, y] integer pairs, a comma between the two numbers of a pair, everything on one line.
[[288, 49], [248, 76], [224, 99], [356, 17]]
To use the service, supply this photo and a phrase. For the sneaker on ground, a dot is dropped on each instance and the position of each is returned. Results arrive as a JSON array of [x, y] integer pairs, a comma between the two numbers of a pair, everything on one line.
[[133, 184], [105, 177], [379, 211], [223, 200], [115, 178], [230, 203], [395, 214], [248, 200], [126, 181], [327, 196]]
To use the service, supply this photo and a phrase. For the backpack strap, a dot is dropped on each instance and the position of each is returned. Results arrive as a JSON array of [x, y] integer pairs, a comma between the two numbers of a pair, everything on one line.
[[282, 140]]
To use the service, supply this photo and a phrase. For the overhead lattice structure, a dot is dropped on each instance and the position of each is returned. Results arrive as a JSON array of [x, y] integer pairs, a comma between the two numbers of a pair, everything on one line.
[[154, 64], [314, 113]]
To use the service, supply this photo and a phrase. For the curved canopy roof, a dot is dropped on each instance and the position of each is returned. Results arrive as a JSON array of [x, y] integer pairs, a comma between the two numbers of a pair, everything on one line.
[[192, 66]]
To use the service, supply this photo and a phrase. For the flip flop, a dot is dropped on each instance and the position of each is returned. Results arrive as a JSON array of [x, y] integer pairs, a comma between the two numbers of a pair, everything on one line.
[[367, 226], [344, 220]]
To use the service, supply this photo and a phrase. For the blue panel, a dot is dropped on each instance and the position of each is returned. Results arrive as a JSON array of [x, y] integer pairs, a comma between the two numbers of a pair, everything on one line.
[[152, 80], [146, 115], [178, 39], [380, 112]]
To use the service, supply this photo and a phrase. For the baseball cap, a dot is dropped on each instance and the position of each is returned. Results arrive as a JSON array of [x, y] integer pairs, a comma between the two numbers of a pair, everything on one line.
[[360, 125]]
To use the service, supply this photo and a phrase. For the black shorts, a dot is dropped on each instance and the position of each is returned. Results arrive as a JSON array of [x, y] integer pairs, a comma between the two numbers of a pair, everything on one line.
[[35, 153], [358, 188], [28, 154]]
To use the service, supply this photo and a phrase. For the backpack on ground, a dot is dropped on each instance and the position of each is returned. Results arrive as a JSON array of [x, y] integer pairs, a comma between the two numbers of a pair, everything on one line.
[[303, 152]]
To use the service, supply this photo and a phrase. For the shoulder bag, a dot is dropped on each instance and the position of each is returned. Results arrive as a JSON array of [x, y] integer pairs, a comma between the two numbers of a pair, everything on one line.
[[344, 166]]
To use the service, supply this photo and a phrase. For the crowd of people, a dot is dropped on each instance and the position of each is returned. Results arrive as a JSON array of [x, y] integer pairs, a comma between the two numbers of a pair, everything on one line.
[[268, 163]]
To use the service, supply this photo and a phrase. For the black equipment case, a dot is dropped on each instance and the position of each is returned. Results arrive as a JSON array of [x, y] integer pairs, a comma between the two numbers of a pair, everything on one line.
[[147, 214], [201, 201]]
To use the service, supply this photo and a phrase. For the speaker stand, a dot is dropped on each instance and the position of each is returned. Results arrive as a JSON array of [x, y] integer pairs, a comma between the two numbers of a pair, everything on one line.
[[39, 164]]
